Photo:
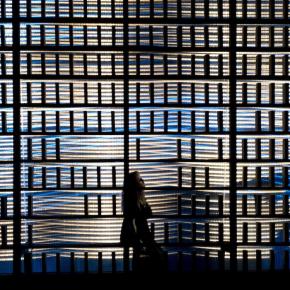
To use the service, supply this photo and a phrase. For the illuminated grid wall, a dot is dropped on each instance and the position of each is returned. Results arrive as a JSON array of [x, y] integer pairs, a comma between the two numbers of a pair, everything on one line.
[[193, 94]]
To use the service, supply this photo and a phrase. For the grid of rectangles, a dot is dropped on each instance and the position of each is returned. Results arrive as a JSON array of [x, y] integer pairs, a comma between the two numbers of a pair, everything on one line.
[[194, 94]]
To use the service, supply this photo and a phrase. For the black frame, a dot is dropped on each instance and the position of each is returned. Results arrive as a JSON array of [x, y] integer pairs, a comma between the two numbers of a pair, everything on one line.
[[224, 73]]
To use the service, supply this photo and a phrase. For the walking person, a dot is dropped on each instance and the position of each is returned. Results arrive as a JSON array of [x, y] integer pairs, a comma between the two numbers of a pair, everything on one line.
[[147, 254]]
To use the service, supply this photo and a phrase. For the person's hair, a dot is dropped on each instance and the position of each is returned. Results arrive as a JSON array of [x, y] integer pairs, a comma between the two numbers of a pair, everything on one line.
[[133, 195]]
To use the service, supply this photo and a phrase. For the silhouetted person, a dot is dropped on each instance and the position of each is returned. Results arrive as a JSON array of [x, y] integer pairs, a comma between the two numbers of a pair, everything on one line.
[[147, 255]]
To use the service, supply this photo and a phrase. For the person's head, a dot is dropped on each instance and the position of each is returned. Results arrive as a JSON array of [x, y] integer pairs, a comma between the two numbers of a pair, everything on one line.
[[133, 190]]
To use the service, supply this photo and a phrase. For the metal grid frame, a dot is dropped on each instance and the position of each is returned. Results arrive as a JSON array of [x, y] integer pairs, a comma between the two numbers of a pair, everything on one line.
[[236, 233]]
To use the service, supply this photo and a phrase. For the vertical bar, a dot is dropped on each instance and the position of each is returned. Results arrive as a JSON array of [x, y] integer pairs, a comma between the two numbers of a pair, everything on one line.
[[286, 36], [72, 177], [244, 149], [206, 232], [178, 149], [179, 204], [58, 177], [179, 176], [58, 262], [16, 139], [85, 174], [245, 177], [114, 180], [285, 205], [193, 205], [221, 260], [3, 235], [43, 149], [98, 176], [258, 260], [220, 148], [57, 122], [3, 207], [28, 263], [272, 233], [192, 147], [258, 233], [86, 205], [258, 148], [244, 205], [99, 205], [206, 177], [126, 257], [113, 122], [86, 262], [30, 177], [43, 175], [114, 205], [233, 137], [30, 235], [258, 200], [245, 261], [100, 262], [72, 262], [43, 263], [285, 176], [286, 233], [193, 178], [113, 262], [258, 121], [30, 206], [272, 205], [285, 115], [245, 233], [193, 232], [221, 232], [166, 233], [272, 260], [126, 85], [71, 121], [152, 230], [57, 149]]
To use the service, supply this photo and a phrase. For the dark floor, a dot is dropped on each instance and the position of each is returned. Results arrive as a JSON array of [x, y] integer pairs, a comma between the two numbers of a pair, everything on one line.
[[147, 281]]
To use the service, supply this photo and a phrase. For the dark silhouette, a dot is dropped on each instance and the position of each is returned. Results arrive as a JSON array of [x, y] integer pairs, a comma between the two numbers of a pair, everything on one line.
[[147, 254]]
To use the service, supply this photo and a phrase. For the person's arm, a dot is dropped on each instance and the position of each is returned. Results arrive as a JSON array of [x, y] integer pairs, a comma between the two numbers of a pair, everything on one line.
[[143, 231]]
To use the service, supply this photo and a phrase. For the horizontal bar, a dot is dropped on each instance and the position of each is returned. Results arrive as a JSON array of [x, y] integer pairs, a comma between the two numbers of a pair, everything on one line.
[[92, 160], [120, 20], [110, 188], [134, 48], [91, 217], [117, 245], [95, 133], [131, 105], [262, 217], [132, 133], [145, 105], [119, 48], [163, 20], [119, 78], [59, 160], [177, 78], [166, 188]]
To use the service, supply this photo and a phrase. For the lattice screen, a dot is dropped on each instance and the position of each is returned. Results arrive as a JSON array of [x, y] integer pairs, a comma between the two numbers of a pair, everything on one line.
[[192, 93]]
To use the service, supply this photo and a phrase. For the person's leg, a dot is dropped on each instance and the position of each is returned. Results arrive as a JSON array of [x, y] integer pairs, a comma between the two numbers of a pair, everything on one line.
[[136, 260]]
